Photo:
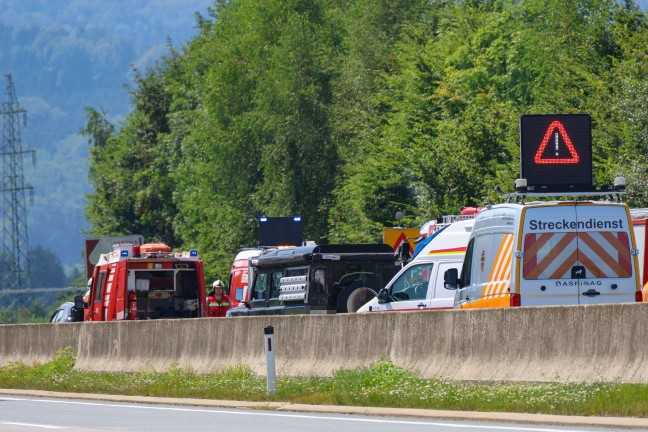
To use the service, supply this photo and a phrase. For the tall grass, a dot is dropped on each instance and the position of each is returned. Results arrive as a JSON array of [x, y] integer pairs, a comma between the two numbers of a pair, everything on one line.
[[382, 385]]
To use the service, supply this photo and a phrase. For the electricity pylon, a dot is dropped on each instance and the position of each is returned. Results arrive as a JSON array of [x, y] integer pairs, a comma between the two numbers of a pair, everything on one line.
[[13, 187]]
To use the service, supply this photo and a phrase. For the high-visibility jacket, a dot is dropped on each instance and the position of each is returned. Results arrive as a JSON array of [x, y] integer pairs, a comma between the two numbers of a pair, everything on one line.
[[218, 308]]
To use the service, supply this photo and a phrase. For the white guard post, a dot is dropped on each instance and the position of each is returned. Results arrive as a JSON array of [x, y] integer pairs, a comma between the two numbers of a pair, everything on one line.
[[270, 360]]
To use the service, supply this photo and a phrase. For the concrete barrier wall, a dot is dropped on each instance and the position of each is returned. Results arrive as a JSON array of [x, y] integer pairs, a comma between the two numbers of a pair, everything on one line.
[[562, 343]]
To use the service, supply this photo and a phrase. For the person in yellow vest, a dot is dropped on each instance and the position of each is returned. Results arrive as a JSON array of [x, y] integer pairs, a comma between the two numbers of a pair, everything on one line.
[[217, 301]]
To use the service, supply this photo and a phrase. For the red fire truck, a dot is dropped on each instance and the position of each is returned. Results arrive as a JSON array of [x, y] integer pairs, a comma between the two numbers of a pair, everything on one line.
[[146, 282]]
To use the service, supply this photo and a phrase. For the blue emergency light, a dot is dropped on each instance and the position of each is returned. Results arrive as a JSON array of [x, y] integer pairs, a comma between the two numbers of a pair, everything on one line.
[[297, 219], [124, 253], [263, 219], [193, 253]]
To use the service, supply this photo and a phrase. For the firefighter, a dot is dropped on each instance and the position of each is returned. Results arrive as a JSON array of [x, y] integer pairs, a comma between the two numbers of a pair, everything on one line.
[[217, 301]]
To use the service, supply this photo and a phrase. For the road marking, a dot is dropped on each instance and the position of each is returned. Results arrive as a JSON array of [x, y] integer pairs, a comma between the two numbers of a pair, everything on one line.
[[33, 425], [301, 416]]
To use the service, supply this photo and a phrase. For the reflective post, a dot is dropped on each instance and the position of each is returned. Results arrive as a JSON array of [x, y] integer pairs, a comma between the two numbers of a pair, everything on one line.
[[270, 360]]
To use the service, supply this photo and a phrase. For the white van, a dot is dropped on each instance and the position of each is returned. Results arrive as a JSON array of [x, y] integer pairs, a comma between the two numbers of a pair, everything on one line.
[[549, 253], [419, 285]]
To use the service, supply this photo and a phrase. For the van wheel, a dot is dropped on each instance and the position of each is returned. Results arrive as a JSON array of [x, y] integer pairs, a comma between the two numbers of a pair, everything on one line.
[[354, 297]]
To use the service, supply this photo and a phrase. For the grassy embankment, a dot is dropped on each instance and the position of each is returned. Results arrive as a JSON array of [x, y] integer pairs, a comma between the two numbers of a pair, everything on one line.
[[382, 384]]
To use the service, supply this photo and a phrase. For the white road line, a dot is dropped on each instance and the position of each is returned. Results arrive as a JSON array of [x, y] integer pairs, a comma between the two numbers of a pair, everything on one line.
[[302, 416], [32, 425]]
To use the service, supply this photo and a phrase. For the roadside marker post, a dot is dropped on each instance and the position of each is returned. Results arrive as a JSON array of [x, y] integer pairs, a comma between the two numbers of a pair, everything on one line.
[[270, 360]]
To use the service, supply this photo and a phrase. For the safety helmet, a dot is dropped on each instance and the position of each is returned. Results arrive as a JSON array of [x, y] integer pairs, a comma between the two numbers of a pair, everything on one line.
[[218, 283]]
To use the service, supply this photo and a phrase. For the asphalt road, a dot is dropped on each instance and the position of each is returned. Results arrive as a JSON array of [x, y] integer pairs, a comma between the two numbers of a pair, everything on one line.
[[24, 413]]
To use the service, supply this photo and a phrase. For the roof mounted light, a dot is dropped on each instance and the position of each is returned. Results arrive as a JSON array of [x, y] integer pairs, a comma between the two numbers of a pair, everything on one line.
[[263, 219], [124, 253], [193, 253], [619, 184], [297, 219], [520, 185]]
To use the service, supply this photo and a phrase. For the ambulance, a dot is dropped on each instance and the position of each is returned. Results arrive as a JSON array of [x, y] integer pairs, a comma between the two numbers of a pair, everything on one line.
[[419, 285], [549, 253]]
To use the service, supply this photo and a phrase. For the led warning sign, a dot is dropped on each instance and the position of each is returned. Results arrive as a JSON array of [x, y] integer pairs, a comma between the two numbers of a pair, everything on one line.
[[556, 152]]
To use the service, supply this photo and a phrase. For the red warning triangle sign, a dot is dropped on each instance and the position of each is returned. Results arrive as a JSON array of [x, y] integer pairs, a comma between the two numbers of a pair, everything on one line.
[[539, 159], [402, 239]]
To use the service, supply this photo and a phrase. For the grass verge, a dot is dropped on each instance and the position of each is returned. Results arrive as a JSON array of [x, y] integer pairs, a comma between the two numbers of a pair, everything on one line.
[[381, 385]]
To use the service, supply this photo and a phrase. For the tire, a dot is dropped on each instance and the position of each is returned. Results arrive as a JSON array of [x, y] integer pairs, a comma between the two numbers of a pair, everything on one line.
[[353, 297]]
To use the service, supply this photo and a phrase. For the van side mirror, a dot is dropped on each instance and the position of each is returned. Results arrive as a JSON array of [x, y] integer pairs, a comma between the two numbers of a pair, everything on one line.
[[383, 295], [78, 303], [451, 279]]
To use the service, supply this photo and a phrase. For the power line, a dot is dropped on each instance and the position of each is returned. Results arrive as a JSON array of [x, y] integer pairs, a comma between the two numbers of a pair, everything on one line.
[[39, 290], [13, 187]]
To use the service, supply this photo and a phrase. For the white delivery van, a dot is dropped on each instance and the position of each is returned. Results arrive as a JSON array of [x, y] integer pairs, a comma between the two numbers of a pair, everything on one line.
[[549, 253], [419, 285]]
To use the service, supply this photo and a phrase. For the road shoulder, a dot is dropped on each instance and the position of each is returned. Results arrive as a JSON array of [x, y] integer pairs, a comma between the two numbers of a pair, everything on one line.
[[621, 422]]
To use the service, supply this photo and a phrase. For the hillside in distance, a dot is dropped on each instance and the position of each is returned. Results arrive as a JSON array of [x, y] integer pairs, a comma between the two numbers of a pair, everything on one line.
[[65, 56]]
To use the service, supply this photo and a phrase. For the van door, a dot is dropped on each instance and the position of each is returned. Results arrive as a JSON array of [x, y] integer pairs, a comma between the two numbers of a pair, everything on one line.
[[440, 297], [576, 253], [410, 290], [606, 270]]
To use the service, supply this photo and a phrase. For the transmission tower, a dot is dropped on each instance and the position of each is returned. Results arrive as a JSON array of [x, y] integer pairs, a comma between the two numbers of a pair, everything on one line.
[[13, 187]]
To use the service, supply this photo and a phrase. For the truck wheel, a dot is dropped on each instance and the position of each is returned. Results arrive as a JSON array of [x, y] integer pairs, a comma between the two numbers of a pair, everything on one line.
[[353, 297]]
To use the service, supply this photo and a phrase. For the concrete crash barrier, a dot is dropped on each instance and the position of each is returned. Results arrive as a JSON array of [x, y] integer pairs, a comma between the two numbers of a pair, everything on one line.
[[545, 344]]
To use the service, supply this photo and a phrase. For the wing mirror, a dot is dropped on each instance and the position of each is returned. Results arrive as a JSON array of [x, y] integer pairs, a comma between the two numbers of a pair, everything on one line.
[[451, 279], [79, 304], [383, 296]]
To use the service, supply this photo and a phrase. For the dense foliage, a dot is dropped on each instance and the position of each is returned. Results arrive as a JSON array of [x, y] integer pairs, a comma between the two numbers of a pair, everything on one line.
[[345, 111]]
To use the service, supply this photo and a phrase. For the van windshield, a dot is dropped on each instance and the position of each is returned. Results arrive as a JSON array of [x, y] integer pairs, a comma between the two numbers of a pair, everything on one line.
[[552, 255]]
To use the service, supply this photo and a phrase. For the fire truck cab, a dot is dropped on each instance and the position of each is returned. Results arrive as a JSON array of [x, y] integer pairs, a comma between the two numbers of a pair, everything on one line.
[[146, 282]]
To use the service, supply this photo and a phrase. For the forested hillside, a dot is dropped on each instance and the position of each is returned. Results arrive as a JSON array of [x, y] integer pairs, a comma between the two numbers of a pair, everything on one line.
[[345, 111]]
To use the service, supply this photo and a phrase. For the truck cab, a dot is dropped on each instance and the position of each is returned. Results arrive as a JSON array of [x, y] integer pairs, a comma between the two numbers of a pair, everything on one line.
[[239, 276], [318, 279]]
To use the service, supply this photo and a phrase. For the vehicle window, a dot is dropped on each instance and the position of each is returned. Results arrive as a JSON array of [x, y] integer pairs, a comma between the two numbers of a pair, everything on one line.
[[238, 294], [319, 281], [297, 271], [413, 283], [99, 287], [552, 255], [276, 284], [466, 270], [360, 274], [56, 317], [261, 285]]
